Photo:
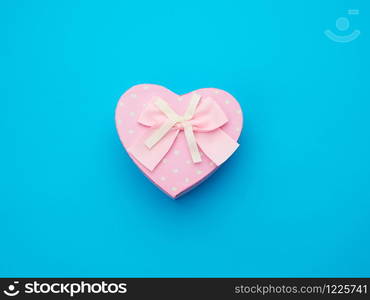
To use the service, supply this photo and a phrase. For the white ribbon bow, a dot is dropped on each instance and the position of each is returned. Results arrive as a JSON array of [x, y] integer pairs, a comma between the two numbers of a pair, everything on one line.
[[175, 119]]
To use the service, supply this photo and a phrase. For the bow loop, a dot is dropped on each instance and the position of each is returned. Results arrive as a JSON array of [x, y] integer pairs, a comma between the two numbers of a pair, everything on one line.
[[208, 116], [152, 115], [203, 116]]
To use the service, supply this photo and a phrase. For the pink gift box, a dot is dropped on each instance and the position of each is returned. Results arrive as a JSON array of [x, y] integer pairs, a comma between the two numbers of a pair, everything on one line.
[[171, 163]]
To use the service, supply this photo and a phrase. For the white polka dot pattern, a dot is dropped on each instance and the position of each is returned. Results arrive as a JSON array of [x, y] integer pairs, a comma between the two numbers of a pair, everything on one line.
[[176, 173]]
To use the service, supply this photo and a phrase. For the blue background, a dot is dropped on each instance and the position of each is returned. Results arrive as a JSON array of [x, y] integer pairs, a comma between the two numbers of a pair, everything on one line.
[[293, 201]]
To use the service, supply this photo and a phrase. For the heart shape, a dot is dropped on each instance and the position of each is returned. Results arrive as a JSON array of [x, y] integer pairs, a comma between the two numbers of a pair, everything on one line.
[[176, 173]]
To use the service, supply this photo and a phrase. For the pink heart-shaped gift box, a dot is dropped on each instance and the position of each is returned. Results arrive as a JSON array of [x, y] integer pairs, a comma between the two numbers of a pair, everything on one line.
[[176, 173]]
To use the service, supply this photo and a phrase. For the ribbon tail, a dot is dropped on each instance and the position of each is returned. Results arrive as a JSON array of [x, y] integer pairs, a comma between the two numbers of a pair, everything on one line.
[[192, 144], [217, 145], [150, 158], [158, 134]]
